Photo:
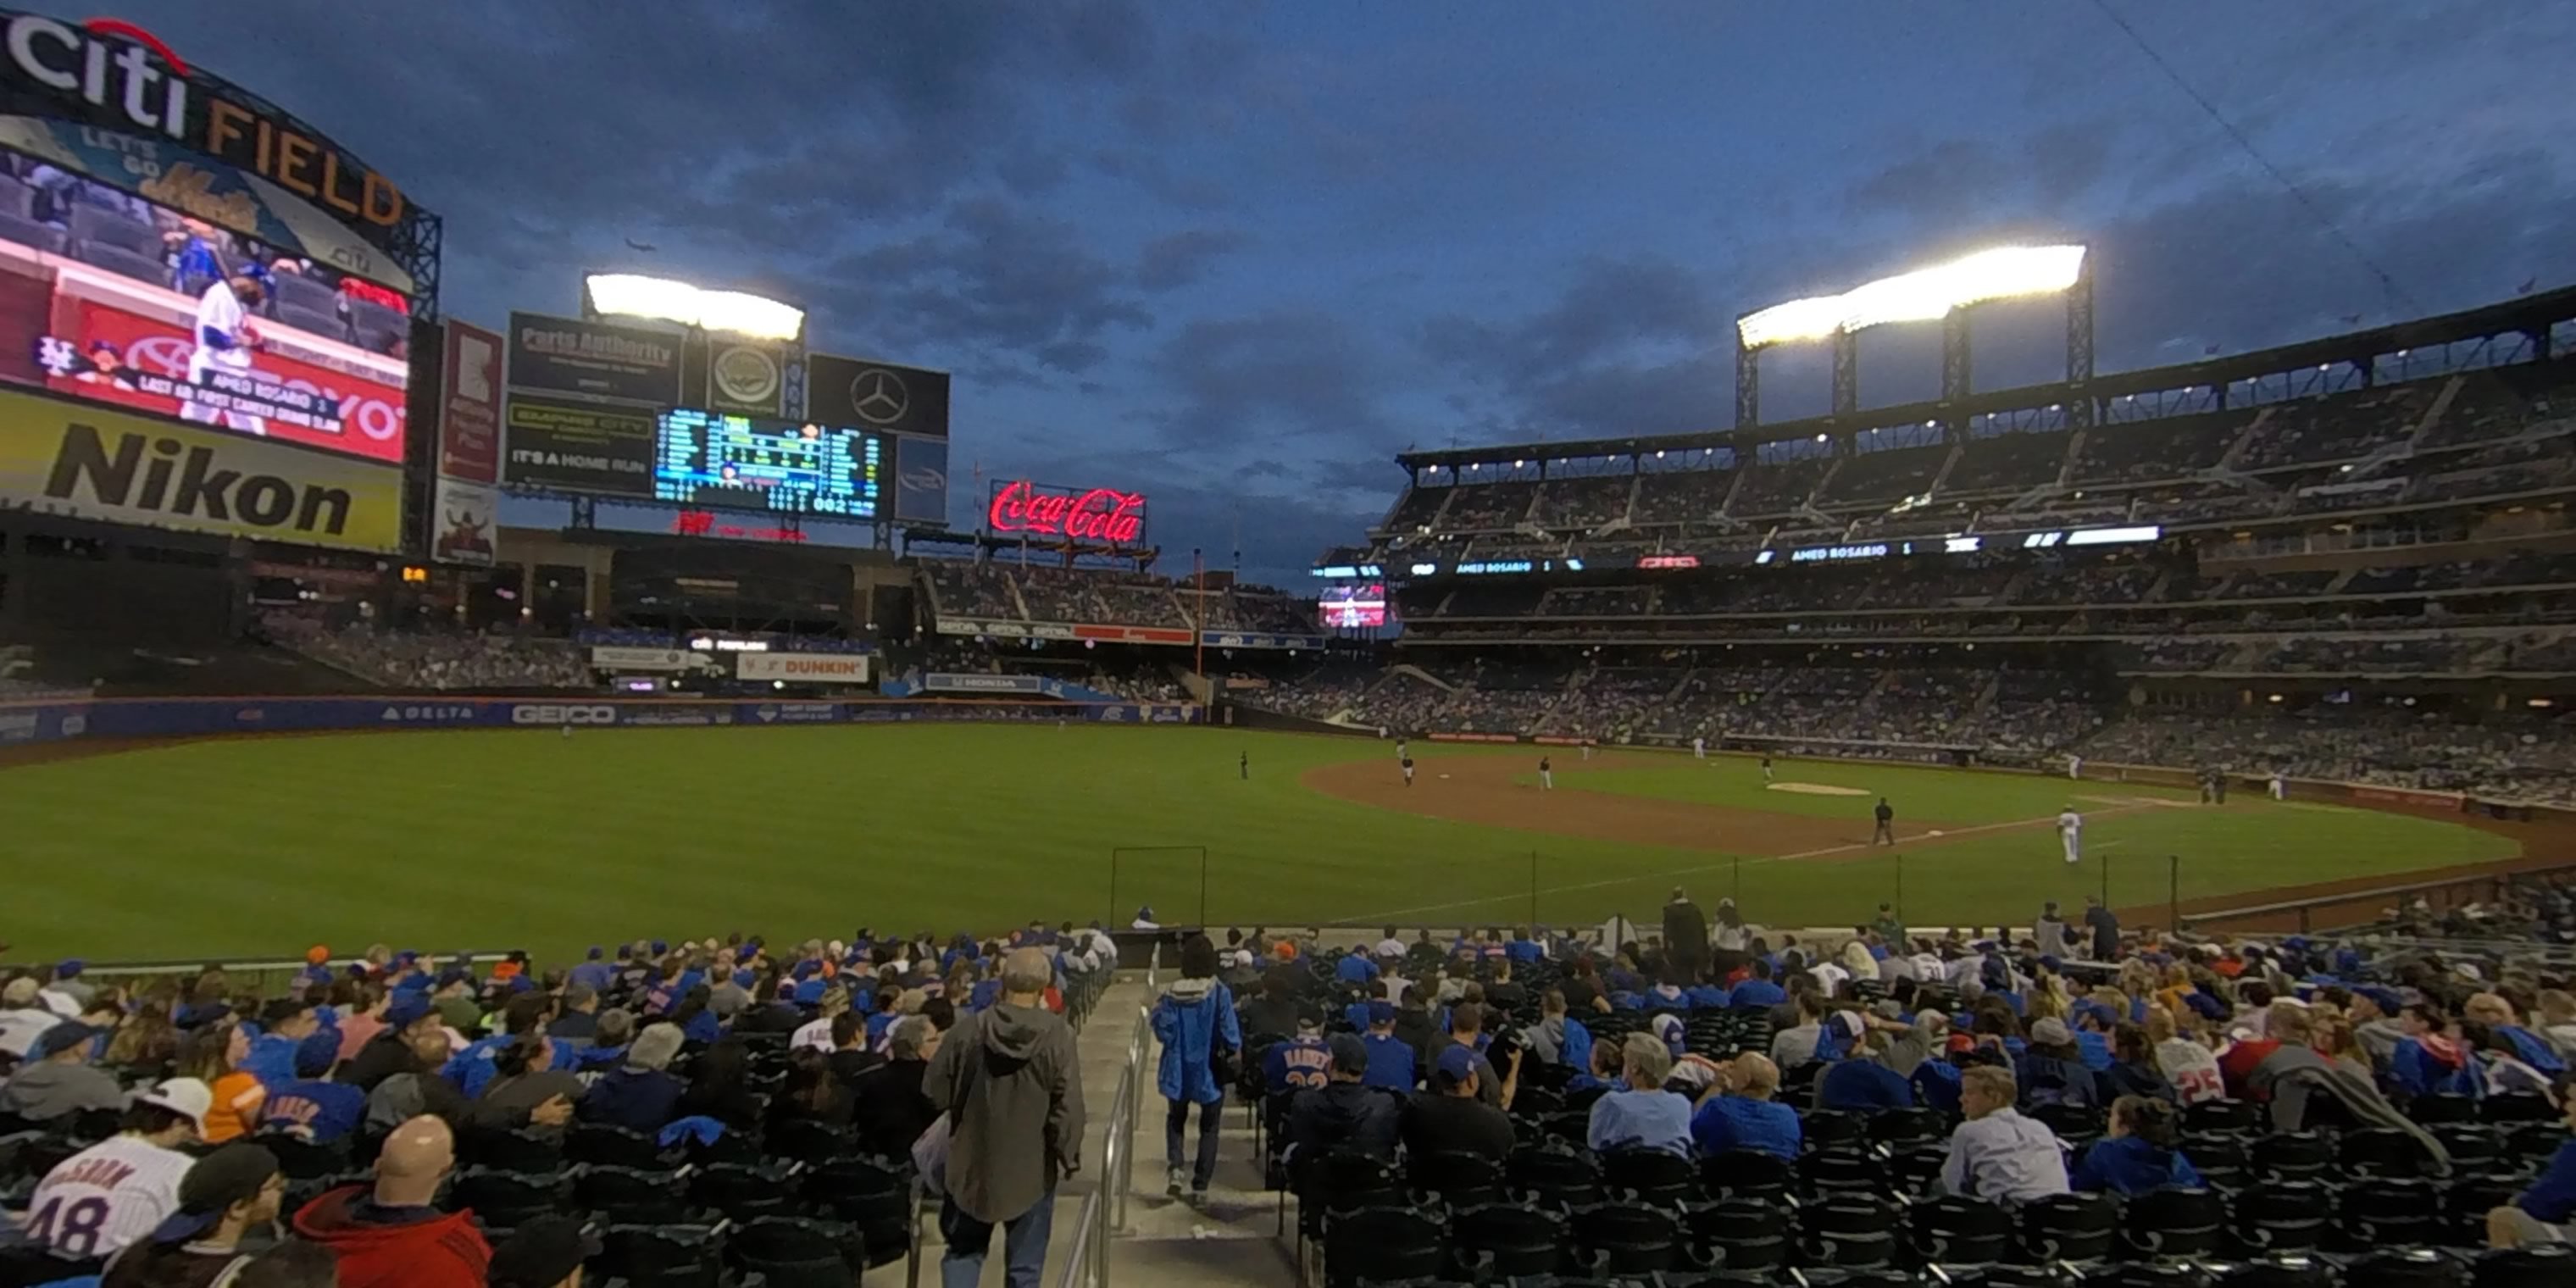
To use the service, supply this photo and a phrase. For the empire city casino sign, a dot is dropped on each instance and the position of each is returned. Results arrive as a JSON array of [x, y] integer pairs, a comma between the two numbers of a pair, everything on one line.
[[1097, 514], [115, 75]]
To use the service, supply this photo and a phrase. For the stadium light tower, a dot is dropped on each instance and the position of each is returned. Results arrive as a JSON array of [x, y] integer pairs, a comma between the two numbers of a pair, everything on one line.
[[1943, 292]]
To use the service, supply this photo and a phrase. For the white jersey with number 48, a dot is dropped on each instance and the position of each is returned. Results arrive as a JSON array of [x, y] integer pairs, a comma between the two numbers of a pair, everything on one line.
[[105, 1197]]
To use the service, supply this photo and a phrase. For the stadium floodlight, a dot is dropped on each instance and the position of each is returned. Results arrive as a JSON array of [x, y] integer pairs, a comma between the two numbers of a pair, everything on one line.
[[1920, 296], [636, 295]]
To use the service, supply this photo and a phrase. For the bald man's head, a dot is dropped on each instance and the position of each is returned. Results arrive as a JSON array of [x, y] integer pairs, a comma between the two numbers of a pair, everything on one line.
[[1756, 1076], [415, 1159], [1026, 973]]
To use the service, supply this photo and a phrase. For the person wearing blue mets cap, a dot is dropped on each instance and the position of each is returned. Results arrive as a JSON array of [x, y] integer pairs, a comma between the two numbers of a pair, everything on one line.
[[1449, 1117]]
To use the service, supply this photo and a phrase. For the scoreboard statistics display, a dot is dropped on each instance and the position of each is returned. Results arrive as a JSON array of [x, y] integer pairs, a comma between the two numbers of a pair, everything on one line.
[[704, 458], [1353, 607]]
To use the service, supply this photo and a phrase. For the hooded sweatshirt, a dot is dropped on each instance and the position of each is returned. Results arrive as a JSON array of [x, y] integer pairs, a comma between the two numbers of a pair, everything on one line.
[[1018, 1119], [396, 1247], [1344, 1115], [1192, 1021]]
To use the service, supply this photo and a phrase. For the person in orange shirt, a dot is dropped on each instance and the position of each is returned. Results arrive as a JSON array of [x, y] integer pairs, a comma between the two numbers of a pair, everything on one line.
[[213, 1055]]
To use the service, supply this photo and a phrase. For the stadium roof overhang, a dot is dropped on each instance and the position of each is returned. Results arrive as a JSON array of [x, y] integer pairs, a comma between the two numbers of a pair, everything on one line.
[[2535, 312]]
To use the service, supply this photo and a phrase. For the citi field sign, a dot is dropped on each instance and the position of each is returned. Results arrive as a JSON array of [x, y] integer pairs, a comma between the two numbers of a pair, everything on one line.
[[112, 74], [1100, 514]]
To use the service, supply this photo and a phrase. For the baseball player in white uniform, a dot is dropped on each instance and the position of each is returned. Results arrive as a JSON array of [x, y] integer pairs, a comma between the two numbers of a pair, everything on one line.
[[2070, 831], [117, 1191], [224, 339], [1699, 748], [2075, 766], [2280, 786]]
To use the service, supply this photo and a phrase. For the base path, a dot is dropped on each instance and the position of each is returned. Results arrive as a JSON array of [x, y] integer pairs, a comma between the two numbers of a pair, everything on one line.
[[1479, 789]]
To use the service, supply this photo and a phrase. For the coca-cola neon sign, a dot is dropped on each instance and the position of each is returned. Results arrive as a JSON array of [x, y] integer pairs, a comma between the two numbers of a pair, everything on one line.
[[1099, 514]]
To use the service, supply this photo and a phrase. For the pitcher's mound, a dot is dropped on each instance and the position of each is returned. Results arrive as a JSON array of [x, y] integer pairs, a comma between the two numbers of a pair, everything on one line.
[[1813, 789]]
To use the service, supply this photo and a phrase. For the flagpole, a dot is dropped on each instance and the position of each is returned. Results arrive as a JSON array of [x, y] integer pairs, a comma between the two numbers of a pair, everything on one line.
[[1198, 616]]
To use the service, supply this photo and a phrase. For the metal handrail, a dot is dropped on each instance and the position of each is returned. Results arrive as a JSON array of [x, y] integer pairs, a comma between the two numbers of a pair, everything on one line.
[[1104, 1210]]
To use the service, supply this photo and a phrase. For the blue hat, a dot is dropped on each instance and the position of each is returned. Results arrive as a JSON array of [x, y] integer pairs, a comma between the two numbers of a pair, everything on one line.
[[2383, 997], [660, 947], [60, 1038], [315, 1055], [1381, 1012], [595, 953], [405, 1010], [2053, 962], [625, 951], [70, 969], [455, 975], [1455, 1065]]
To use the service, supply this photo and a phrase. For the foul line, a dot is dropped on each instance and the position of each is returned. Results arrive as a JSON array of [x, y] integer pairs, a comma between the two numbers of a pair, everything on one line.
[[1754, 861]]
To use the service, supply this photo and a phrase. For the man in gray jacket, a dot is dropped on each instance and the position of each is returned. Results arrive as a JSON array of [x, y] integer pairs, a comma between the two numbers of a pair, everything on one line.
[[1011, 1082]]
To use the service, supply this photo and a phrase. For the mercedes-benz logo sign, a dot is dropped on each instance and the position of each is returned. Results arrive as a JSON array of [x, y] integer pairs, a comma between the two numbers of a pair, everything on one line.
[[879, 397]]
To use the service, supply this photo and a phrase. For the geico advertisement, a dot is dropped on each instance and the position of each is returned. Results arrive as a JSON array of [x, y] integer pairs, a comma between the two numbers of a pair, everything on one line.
[[91, 463]]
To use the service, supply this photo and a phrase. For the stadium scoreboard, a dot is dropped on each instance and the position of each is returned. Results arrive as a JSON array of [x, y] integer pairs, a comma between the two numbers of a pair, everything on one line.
[[708, 459]]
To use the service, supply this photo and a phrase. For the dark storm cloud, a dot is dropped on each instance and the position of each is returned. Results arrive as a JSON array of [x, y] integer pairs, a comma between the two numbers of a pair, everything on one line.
[[1185, 257], [996, 279], [1629, 346], [1304, 377]]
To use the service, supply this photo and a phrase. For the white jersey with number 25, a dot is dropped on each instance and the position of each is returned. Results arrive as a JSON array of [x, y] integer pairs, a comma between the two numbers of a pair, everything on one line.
[[105, 1197]]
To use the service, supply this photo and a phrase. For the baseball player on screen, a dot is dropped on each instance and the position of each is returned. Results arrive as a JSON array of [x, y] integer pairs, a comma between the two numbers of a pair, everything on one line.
[[2070, 832], [225, 339]]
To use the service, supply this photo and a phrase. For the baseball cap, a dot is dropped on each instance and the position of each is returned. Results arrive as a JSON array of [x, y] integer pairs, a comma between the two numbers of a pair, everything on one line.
[[20, 992], [541, 1253], [2383, 997], [1454, 1066], [454, 975], [71, 968], [1310, 1017], [1381, 1012], [2051, 1031], [233, 1173], [189, 1098], [406, 1009], [1350, 1055], [315, 1055], [60, 1038]]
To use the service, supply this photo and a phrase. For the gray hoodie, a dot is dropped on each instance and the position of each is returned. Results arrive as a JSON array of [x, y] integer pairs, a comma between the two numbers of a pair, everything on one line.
[[1018, 1120], [1546, 1039], [2379, 1039], [47, 1090]]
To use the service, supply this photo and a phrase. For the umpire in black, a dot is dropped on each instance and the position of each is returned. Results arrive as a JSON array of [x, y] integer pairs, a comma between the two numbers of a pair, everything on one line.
[[1685, 936], [1886, 816]]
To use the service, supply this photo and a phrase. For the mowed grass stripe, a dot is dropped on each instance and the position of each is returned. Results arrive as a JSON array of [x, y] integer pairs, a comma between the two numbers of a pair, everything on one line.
[[526, 838]]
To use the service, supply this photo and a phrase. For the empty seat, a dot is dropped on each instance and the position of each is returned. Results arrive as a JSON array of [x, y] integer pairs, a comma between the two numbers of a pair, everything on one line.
[[2385, 1212], [1953, 1230], [1621, 1239], [1649, 1175], [1843, 1169], [1381, 1245], [2222, 1116], [616, 1146], [1906, 1126], [2292, 1154], [2174, 1223], [792, 1253], [632, 1195], [1503, 1241], [2519, 1107], [2380, 1151], [1848, 1228], [2069, 1227], [1746, 1173], [1743, 1234], [508, 1199], [661, 1255], [1458, 1179], [743, 1191], [2405, 1268], [1558, 1177], [2284, 1216], [2443, 1107], [2525, 1268], [2286, 1270]]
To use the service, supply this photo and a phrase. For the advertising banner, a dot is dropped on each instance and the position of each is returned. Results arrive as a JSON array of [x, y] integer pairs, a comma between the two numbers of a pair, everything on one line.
[[876, 395], [110, 339], [464, 522], [792, 713], [578, 447], [803, 668], [92, 463], [594, 360], [469, 410], [1099, 515], [735, 375], [921, 480], [975, 682], [619, 657], [1260, 640], [202, 188]]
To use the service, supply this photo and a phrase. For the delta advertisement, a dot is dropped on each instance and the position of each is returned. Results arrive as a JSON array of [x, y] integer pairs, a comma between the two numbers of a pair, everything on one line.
[[91, 463], [22, 723]]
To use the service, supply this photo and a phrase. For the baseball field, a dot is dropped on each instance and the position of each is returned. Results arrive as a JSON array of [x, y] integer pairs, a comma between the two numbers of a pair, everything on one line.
[[493, 839]]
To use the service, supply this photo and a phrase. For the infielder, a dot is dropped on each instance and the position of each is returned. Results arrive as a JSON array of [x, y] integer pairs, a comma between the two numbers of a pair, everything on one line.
[[1699, 748], [1408, 771], [225, 340], [1766, 766], [1587, 751], [2074, 766], [1885, 832], [1546, 776], [2070, 831]]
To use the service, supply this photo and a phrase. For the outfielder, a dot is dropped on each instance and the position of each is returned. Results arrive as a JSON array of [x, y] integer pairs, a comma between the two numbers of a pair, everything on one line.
[[1699, 748], [2074, 766], [1546, 776], [1766, 766], [2070, 831], [1408, 771], [2280, 786]]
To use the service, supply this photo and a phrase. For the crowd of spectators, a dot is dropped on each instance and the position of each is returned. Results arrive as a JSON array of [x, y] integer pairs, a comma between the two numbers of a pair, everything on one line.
[[2117, 1093], [1092, 596], [2520, 759], [794, 1080], [436, 659]]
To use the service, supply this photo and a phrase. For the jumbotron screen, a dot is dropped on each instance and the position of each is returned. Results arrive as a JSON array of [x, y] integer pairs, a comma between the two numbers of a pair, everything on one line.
[[1353, 606], [751, 463], [108, 297]]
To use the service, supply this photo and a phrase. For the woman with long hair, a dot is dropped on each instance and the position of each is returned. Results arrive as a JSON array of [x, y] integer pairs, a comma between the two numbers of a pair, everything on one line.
[[812, 1091], [147, 1039], [720, 1086], [2140, 1152], [1195, 1022], [213, 1055], [2133, 1070]]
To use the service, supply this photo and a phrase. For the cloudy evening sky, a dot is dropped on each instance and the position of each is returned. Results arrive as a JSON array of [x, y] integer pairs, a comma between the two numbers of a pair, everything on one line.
[[1238, 255]]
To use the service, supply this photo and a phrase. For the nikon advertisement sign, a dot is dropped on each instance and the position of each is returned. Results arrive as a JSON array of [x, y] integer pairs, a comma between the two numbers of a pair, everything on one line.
[[92, 463]]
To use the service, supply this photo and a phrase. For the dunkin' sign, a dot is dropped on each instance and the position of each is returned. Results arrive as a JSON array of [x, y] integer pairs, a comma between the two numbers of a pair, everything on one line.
[[803, 668], [1103, 515]]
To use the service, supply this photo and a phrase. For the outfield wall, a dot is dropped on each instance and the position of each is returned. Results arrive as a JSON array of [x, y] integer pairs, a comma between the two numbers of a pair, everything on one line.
[[28, 723]]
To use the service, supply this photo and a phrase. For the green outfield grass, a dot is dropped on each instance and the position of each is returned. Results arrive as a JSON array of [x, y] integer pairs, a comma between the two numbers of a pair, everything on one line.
[[525, 838], [1915, 792]]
